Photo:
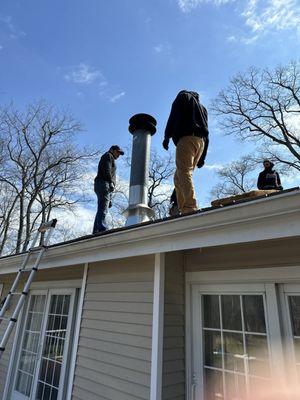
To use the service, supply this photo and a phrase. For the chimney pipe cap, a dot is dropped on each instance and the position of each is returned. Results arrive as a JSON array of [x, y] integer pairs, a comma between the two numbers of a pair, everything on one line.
[[142, 121]]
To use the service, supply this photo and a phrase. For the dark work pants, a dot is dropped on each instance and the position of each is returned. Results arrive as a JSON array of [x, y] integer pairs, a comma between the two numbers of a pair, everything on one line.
[[104, 196]]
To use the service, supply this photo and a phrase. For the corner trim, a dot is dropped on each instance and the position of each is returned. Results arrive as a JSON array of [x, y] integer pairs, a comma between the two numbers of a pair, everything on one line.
[[76, 333], [157, 327]]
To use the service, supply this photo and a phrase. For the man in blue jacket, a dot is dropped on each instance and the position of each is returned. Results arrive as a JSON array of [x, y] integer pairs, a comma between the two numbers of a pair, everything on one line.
[[187, 126], [104, 185]]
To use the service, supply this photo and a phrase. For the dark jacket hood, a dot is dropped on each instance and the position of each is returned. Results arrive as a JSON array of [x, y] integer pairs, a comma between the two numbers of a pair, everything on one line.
[[194, 94]]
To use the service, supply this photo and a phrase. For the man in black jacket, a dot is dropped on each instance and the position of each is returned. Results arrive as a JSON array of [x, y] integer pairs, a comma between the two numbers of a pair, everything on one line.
[[187, 126], [269, 179], [104, 185]]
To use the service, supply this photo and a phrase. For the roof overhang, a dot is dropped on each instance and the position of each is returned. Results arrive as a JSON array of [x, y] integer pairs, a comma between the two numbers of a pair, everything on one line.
[[264, 219]]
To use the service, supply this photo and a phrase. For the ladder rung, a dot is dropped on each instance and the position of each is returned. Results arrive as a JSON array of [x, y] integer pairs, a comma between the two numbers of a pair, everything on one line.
[[37, 248], [28, 269], [8, 319], [19, 293]]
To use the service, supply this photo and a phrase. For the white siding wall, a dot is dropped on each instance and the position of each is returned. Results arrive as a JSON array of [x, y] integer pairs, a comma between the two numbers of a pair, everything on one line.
[[114, 354], [174, 321]]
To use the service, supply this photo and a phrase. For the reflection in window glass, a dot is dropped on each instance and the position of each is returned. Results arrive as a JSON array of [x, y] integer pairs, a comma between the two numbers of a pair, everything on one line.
[[213, 385], [213, 349], [234, 351], [231, 312], [211, 312], [254, 315], [295, 314], [235, 386]]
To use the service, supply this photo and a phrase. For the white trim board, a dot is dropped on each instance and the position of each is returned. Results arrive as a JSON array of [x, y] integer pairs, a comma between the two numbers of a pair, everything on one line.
[[264, 219], [157, 328], [65, 284], [76, 334], [251, 275]]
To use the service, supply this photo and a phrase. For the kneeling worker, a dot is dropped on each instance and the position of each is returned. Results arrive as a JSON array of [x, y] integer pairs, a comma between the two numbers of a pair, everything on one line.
[[269, 179], [104, 185]]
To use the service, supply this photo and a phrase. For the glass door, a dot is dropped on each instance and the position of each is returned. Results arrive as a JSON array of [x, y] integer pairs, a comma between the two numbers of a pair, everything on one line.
[[231, 344], [291, 317], [44, 349], [30, 347]]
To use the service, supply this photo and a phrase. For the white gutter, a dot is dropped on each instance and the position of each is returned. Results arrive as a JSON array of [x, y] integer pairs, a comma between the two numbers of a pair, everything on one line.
[[264, 219]]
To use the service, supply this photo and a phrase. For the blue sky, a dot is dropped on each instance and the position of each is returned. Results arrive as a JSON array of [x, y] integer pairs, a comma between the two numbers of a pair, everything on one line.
[[107, 60]]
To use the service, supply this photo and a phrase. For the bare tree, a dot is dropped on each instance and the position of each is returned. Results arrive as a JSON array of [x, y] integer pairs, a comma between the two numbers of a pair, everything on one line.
[[235, 178], [264, 106], [42, 167], [160, 188]]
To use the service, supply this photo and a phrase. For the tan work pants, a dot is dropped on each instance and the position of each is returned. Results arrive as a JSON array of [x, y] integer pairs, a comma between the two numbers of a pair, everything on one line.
[[188, 153]]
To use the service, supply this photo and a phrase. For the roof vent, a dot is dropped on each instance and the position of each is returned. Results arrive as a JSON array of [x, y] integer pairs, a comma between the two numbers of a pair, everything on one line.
[[142, 127]]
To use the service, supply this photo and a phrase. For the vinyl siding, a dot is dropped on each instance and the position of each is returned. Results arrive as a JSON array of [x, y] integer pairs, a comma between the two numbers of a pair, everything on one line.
[[66, 273], [270, 253], [173, 382], [114, 352]]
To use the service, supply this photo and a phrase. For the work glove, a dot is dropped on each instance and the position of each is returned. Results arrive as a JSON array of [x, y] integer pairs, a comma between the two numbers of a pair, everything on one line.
[[166, 143], [111, 186]]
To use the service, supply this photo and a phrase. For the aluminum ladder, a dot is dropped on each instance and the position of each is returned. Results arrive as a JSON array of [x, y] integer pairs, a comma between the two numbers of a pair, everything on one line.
[[45, 227]]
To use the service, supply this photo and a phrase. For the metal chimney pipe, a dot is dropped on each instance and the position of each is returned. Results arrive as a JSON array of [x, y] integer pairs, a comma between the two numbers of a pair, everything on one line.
[[142, 127]]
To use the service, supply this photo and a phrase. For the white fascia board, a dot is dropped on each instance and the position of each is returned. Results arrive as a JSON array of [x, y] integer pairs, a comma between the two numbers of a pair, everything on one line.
[[264, 219]]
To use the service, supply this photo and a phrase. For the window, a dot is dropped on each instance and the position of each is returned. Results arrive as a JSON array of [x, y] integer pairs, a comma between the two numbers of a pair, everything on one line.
[[236, 354], [41, 365], [238, 344]]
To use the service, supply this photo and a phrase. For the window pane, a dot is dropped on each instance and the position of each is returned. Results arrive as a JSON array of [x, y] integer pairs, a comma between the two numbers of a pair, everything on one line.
[[40, 391], [21, 384], [295, 314], [213, 349], [211, 311], [54, 394], [297, 349], [66, 305], [235, 386], [258, 388], [254, 315], [213, 385], [234, 351], [258, 355], [231, 312]]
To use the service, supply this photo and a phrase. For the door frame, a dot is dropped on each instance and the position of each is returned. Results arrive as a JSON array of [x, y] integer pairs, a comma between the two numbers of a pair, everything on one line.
[[288, 289], [21, 330], [271, 278], [50, 293], [36, 286]]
